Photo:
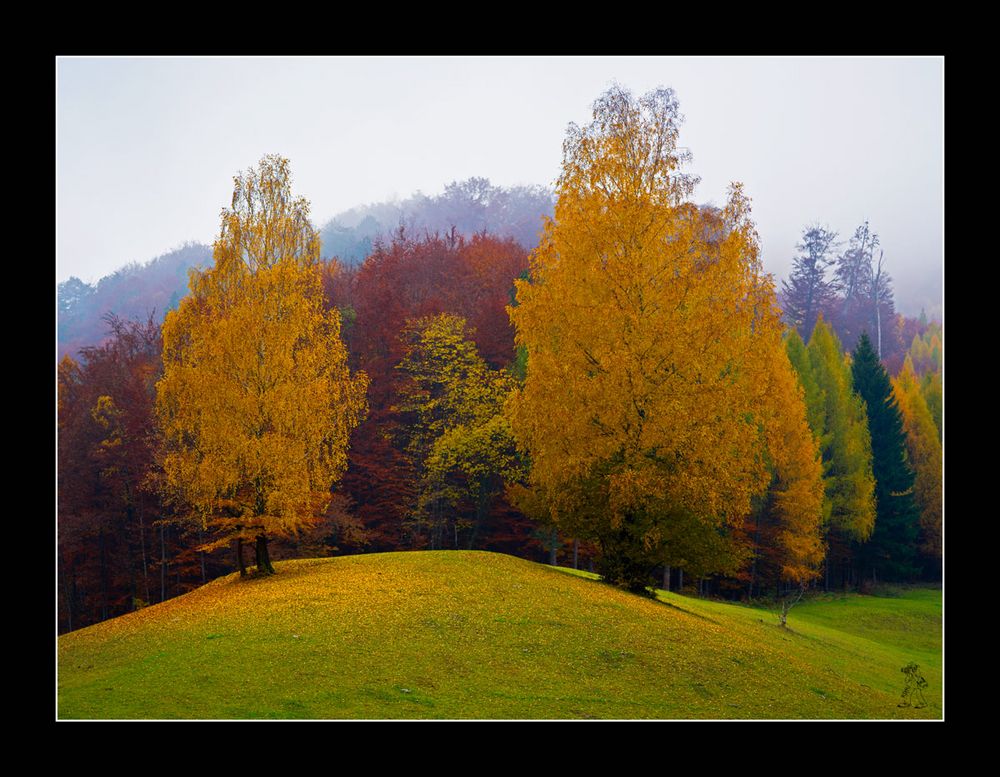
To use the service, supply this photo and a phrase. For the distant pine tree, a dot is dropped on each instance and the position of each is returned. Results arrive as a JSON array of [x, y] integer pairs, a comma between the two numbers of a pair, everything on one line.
[[808, 292], [890, 553]]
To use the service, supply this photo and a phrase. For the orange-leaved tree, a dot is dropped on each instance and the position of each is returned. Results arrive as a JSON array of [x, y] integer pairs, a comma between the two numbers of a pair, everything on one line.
[[256, 402], [651, 332]]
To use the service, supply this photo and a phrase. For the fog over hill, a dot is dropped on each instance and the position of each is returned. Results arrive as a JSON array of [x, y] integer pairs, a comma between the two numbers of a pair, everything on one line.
[[470, 206], [139, 290], [136, 291]]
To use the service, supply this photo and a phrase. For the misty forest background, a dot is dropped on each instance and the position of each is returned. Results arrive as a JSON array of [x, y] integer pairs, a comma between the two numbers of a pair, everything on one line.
[[385, 267]]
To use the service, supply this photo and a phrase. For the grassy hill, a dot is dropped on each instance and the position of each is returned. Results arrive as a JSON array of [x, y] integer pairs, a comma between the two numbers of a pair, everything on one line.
[[482, 635]]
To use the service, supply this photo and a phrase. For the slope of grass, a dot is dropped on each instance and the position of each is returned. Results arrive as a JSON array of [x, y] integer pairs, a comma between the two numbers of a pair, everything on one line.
[[483, 635]]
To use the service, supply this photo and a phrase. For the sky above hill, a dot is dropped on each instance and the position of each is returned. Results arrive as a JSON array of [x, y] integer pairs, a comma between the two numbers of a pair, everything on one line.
[[146, 148]]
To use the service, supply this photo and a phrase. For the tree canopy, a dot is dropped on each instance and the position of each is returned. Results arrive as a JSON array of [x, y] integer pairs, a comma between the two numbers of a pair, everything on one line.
[[256, 401], [652, 338]]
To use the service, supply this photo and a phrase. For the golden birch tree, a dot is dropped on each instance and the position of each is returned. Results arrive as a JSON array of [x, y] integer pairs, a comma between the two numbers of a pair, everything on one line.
[[256, 402], [650, 329]]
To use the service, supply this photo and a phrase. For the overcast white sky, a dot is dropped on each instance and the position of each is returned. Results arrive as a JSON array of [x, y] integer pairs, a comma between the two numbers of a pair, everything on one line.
[[146, 148]]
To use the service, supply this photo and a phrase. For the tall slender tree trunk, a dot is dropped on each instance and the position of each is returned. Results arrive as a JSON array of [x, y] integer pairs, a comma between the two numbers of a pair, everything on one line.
[[576, 552], [201, 554], [163, 565], [482, 505], [133, 572], [878, 307], [142, 543], [878, 325], [104, 575], [756, 545], [72, 594], [666, 577], [552, 550]]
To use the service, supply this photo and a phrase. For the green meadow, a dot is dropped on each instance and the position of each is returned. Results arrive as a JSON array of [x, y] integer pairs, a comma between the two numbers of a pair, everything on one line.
[[450, 635]]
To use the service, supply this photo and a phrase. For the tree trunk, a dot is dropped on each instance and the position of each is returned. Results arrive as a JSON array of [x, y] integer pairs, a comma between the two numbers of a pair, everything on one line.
[[482, 508], [666, 577], [878, 324], [72, 596], [576, 552], [104, 576], [263, 557], [878, 308], [142, 542], [163, 566], [201, 554], [552, 550], [239, 557], [133, 573], [756, 547]]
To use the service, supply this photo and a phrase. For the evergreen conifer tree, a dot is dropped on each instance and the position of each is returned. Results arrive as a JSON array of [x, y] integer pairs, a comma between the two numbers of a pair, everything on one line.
[[890, 553]]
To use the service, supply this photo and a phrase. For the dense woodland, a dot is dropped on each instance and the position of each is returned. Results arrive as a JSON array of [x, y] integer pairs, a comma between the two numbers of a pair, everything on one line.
[[628, 393]]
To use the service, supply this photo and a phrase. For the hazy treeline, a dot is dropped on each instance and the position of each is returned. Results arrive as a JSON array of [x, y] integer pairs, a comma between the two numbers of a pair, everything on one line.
[[470, 206], [118, 545], [137, 290], [133, 292], [424, 314]]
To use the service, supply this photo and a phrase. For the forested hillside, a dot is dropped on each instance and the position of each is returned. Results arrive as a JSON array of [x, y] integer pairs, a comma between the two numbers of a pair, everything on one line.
[[470, 206], [139, 290], [136, 291], [622, 390]]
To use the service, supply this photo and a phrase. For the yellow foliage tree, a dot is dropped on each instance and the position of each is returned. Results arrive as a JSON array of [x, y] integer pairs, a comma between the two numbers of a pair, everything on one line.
[[651, 331], [456, 434], [925, 452], [256, 402]]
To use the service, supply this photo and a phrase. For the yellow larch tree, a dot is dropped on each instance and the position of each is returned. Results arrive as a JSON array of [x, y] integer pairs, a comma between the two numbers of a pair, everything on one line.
[[924, 449], [651, 332], [256, 402]]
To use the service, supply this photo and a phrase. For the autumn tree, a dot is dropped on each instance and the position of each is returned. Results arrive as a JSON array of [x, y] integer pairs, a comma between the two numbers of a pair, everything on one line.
[[789, 521], [839, 423], [808, 292], [925, 350], [406, 279], [926, 359], [650, 329], [925, 456], [933, 391], [111, 560], [256, 401], [455, 431]]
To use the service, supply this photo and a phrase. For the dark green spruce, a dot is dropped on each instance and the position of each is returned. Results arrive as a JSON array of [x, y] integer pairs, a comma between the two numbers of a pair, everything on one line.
[[890, 553]]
